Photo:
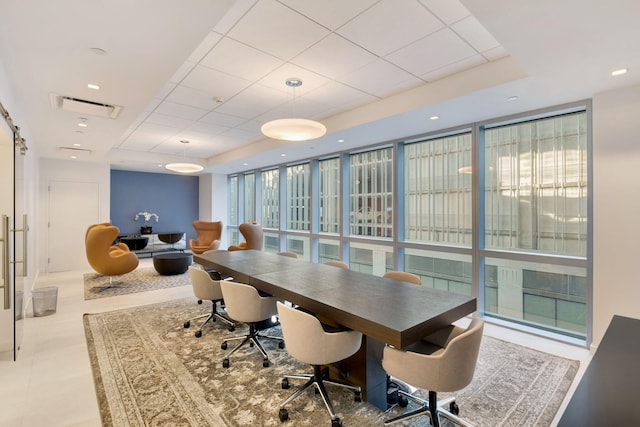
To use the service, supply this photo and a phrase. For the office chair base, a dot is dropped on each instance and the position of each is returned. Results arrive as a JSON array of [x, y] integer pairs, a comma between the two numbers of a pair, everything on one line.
[[318, 380], [210, 317], [425, 409], [253, 338], [111, 284]]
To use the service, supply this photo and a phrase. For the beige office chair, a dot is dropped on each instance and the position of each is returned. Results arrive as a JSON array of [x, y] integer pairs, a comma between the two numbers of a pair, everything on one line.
[[337, 263], [444, 361], [205, 288], [308, 342], [403, 276], [105, 257], [209, 235], [244, 304], [253, 237], [289, 254]]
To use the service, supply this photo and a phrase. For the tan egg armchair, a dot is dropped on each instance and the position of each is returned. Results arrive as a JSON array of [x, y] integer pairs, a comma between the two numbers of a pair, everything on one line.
[[209, 234], [253, 237], [105, 257]]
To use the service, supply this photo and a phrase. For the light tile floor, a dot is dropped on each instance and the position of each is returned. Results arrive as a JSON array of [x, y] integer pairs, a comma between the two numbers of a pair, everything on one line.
[[51, 382]]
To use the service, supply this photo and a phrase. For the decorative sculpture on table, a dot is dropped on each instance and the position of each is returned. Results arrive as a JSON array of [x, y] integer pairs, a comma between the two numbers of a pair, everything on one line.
[[146, 228]]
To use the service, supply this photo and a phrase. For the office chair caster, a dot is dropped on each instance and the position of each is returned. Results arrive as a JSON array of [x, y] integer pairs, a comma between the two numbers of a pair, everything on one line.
[[357, 397], [265, 363], [199, 301], [402, 401], [225, 363], [198, 334], [283, 415], [232, 328], [223, 345], [187, 324], [336, 422], [285, 383], [454, 408], [281, 344]]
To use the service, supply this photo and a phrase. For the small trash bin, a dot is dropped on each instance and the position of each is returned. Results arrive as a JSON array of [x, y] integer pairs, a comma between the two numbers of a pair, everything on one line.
[[45, 301]]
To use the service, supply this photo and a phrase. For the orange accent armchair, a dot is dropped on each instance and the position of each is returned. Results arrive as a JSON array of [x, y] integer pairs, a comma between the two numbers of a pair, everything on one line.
[[105, 257], [209, 234], [253, 237]]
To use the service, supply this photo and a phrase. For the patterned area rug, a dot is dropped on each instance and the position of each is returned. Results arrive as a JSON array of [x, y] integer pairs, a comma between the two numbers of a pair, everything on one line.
[[150, 370], [139, 280]]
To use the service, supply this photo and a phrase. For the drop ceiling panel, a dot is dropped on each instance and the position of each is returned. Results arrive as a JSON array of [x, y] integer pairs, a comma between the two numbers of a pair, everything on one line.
[[163, 120], [385, 27], [334, 57], [192, 98], [182, 111], [475, 34], [208, 128], [252, 102], [433, 52], [449, 11], [240, 60], [218, 118], [456, 67], [276, 29], [278, 77], [330, 13], [495, 53], [339, 95], [380, 78], [215, 82]]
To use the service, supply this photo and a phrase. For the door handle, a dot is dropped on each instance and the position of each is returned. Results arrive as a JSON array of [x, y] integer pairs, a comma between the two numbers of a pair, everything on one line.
[[23, 230], [4, 237]]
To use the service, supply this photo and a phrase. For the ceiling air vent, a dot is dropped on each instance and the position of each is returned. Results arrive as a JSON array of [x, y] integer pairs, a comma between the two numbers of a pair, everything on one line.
[[82, 106]]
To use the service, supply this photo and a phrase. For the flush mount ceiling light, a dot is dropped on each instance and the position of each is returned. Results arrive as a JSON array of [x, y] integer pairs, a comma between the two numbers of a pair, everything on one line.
[[293, 129], [184, 167]]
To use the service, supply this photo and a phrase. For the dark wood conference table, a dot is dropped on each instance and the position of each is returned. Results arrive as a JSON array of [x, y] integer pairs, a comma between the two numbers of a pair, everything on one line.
[[384, 310], [607, 394]]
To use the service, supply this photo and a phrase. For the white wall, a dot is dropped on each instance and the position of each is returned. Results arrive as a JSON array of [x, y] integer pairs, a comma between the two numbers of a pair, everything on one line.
[[616, 216], [70, 171], [213, 201]]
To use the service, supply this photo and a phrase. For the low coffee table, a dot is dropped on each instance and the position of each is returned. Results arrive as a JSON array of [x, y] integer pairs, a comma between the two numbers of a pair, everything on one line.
[[172, 263]]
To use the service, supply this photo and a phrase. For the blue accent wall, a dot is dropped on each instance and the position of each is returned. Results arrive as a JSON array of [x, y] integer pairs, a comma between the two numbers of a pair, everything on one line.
[[173, 197]]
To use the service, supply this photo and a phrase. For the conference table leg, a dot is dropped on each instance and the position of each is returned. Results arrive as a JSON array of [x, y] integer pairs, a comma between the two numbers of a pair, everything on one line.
[[365, 370]]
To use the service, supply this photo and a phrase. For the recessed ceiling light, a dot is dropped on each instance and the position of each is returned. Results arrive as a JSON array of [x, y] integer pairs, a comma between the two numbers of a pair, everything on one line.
[[74, 157], [512, 98], [76, 145], [434, 117], [245, 164], [341, 140], [92, 86], [619, 72], [283, 155], [82, 124]]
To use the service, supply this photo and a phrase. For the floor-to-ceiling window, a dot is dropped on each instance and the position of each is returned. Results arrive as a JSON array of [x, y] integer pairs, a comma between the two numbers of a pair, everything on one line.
[[535, 200], [371, 193], [232, 229], [497, 209], [249, 197], [298, 208], [329, 197]]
